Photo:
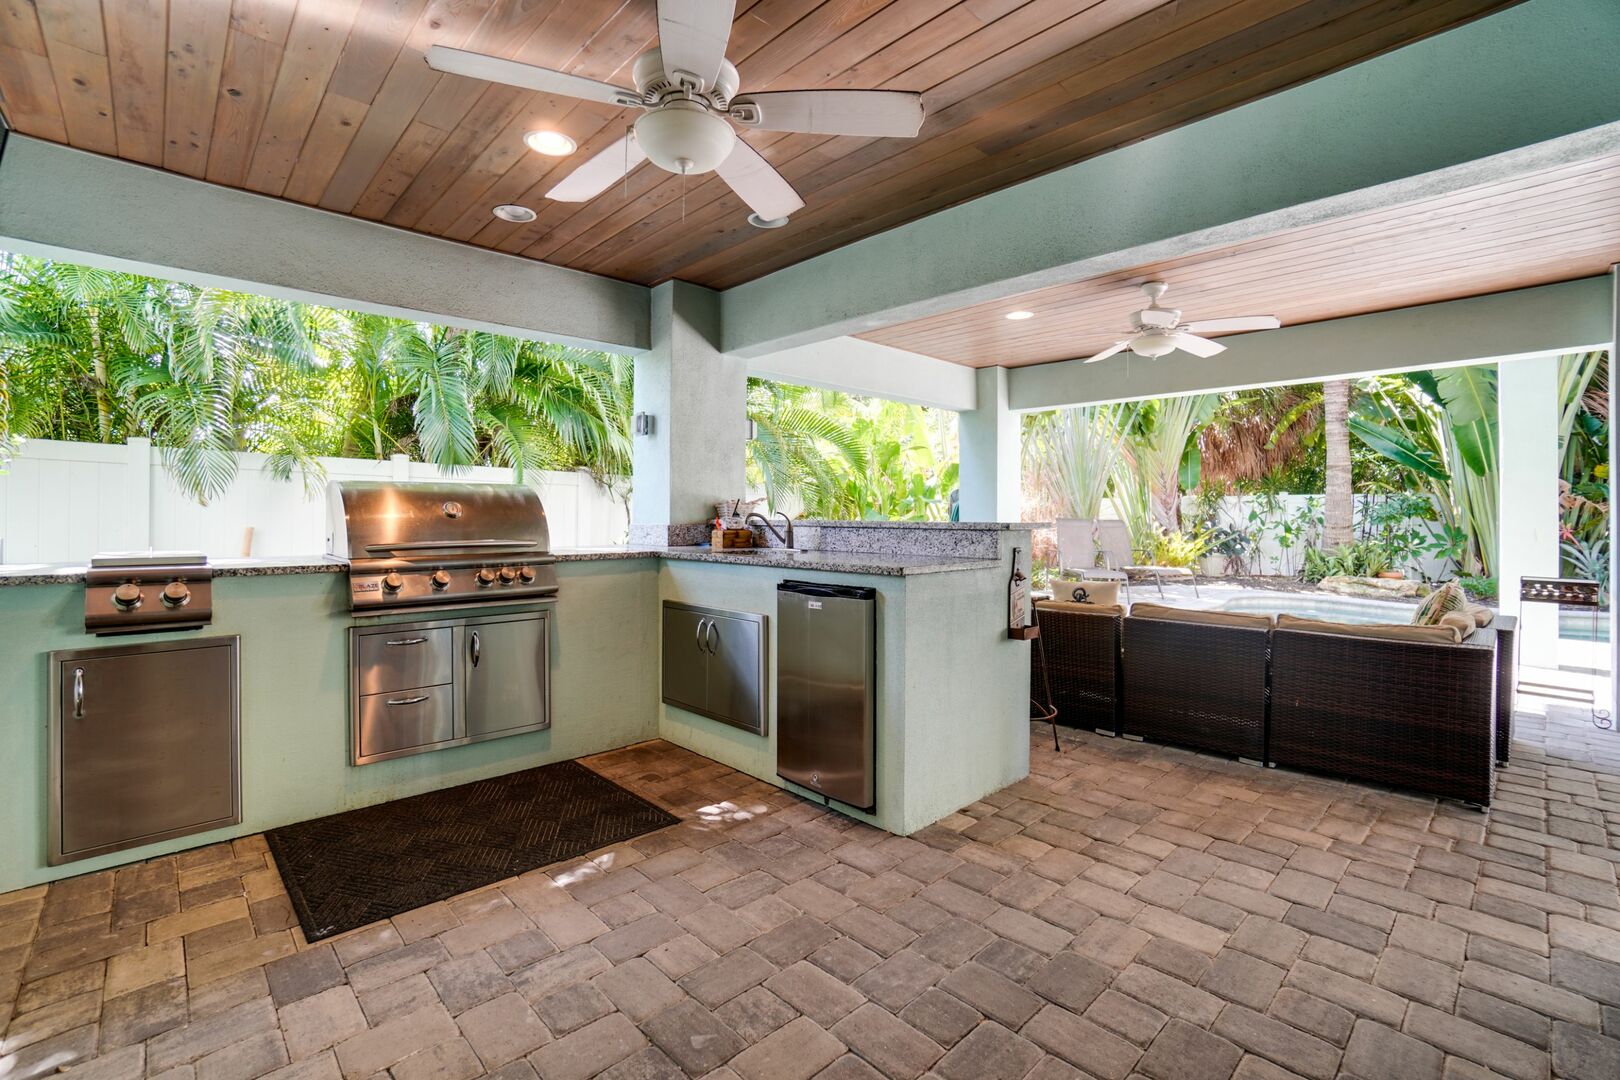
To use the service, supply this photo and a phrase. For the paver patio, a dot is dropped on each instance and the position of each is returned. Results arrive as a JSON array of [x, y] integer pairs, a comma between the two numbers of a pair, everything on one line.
[[1129, 910]]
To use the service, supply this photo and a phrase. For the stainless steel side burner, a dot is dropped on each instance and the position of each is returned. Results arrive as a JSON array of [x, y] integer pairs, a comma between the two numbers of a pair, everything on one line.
[[129, 592]]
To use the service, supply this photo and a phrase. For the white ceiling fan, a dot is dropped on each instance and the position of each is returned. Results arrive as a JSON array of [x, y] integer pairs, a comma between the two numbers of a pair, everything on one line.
[[688, 90], [1157, 331]]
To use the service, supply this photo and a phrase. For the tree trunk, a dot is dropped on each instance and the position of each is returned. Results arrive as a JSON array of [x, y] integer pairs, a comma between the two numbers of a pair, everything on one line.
[[98, 367], [1338, 509]]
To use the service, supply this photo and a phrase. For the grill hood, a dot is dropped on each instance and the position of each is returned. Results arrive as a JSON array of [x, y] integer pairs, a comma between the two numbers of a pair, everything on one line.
[[370, 520]]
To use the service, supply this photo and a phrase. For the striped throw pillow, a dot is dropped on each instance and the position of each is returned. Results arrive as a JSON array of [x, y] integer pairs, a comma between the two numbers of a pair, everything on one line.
[[1447, 598]]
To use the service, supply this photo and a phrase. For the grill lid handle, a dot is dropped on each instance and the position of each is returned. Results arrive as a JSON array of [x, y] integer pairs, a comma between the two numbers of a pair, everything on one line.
[[450, 545]]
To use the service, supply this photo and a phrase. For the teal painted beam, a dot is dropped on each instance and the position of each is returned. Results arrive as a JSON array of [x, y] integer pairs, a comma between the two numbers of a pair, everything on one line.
[[60, 203], [1514, 93], [1569, 316]]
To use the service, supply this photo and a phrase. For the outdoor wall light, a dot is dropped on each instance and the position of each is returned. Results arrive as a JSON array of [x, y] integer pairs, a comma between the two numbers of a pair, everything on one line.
[[550, 143], [1020, 316], [643, 423]]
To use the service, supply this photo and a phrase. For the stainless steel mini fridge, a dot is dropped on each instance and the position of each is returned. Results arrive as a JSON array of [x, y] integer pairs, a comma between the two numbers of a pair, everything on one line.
[[826, 689]]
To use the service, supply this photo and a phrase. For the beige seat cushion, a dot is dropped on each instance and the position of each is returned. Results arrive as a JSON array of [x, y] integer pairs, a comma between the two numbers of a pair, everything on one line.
[[1166, 613], [1481, 614], [1462, 621], [1105, 593], [1445, 634], [1082, 609]]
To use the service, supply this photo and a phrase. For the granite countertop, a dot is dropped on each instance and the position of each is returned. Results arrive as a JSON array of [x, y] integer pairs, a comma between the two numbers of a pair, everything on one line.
[[854, 562]]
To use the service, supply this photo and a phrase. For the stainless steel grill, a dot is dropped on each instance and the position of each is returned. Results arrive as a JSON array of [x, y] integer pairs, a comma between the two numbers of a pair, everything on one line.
[[413, 547]]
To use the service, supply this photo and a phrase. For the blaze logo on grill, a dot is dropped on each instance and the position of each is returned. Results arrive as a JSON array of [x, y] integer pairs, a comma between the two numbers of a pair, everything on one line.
[[368, 586]]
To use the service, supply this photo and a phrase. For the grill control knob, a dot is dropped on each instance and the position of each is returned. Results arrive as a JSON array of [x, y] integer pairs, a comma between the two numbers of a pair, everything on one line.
[[508, 575], [176, 594], [486, 577], [440, 579], [526, 573], [127, 597], [393, 582]]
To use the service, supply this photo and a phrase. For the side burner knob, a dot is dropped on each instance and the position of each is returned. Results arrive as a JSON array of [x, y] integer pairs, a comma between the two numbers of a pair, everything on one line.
[[176, 594], [127, 597], [393, 582]]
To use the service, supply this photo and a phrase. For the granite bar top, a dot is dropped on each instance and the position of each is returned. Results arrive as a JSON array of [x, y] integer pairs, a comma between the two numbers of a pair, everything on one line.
[[846, 562]]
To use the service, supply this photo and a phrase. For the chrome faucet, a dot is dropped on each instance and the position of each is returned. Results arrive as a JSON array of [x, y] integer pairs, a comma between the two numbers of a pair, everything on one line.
[[787, 522]]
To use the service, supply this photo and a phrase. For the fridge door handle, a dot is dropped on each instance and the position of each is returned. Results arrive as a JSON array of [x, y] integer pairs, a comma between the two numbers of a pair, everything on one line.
[[78, 693]]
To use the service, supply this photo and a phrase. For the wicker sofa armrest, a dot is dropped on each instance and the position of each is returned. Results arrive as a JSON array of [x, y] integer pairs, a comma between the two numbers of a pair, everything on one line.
[[1080, 654], [1404, 714]]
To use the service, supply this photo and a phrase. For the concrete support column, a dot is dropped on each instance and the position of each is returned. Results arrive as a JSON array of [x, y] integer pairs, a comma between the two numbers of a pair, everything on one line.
[[697, 399], [1614, 471], [989, 473], [1527, 414]]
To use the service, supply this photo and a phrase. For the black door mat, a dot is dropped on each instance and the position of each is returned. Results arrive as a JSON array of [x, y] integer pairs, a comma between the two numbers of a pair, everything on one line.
[[358, 867]]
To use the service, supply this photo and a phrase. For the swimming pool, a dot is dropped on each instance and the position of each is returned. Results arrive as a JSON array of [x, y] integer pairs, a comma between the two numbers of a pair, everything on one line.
[[1345, 609]]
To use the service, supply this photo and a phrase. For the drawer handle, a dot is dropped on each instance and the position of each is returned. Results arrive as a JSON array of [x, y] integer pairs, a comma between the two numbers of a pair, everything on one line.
[[406, 641], [408, 700]]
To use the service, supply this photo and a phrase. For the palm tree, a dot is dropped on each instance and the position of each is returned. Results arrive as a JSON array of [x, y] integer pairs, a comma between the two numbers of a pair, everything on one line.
[[1164, 455], [1338, 508], [798, 449], [1071, 455]]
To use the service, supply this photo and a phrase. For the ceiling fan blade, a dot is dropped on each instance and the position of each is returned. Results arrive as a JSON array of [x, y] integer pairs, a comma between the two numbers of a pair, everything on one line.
[[760, 186], [1118, 346], [600, 172], [512, 73], [879, 113], [1232, 326], [692, 37], [1196, 345]]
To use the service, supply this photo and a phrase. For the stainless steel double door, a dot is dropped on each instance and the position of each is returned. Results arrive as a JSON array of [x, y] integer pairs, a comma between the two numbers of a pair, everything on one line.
[[714, 664], [431, 685]]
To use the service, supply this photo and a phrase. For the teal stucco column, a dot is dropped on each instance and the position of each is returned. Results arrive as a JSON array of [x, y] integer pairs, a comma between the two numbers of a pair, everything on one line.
[[990, 441], [695, 399], [1527, 499]]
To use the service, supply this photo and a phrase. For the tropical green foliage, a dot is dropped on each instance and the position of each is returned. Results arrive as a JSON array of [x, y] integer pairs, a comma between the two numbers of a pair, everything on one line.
[[92, 355], [827, 454]]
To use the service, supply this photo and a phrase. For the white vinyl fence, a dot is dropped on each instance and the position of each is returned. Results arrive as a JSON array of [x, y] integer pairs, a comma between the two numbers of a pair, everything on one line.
[[1282, 527], [65, 501]]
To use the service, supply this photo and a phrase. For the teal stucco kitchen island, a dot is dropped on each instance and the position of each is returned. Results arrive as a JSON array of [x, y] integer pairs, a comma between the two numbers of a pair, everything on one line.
[[951, 688]]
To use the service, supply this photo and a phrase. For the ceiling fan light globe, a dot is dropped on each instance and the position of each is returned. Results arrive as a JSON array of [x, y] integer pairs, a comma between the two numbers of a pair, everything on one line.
[[684, 137], [1153, 346]]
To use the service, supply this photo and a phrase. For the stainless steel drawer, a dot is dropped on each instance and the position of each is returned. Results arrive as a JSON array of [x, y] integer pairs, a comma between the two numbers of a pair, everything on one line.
[[402, 720], [397, 659]]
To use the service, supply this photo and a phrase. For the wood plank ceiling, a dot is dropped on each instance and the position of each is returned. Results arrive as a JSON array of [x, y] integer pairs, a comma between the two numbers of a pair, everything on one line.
[[329, 103], [1555, 226]]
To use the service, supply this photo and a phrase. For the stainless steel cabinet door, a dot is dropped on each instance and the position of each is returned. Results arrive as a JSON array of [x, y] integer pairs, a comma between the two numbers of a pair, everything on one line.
[[145, 746], [736, 688], [504, 661], [686, 658]]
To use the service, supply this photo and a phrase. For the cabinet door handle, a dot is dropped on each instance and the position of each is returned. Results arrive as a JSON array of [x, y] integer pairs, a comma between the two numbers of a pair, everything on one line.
[[714, 637], [78, 693], [408, 700], [701, 624], [476, 647], [406, 641]]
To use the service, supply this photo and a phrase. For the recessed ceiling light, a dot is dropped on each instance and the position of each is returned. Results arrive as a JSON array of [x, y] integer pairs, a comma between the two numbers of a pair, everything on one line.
[[766, 223], [550, 143], [514, 212], [1020, 316]]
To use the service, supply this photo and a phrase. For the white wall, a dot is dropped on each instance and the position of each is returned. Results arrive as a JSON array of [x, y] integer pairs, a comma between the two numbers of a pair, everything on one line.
[[64, 501]]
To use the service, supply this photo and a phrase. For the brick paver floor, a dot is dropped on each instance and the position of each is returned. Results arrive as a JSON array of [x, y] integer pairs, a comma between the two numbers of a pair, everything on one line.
[[1129, 910]]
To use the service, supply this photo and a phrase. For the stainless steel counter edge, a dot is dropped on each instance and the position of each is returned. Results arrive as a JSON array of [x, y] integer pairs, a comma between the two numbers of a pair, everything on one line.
[[827, 561]]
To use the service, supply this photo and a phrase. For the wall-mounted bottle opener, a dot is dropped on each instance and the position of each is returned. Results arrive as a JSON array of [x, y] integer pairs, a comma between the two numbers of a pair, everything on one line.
[[1020, 627]]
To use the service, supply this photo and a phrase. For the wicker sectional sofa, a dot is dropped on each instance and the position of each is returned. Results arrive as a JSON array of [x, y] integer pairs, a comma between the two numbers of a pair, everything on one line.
[[1422, 714]]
